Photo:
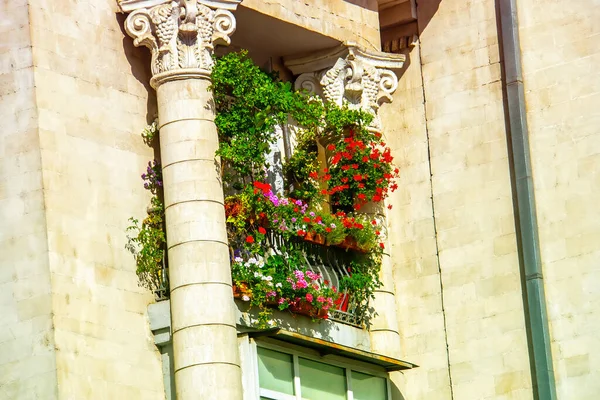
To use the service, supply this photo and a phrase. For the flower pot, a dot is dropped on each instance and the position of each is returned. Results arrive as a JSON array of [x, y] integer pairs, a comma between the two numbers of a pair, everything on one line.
[[240, 290], [309, 236], [350, 244], [305, 308], [342, 302], [319, 239]]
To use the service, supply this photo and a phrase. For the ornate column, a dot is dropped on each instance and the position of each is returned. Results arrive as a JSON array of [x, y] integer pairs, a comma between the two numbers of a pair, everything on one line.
[[350, 76], [181, 36]]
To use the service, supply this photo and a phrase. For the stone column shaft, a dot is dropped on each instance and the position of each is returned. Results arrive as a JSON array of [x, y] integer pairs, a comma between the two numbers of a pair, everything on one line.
[[181, 35], [202, 309]]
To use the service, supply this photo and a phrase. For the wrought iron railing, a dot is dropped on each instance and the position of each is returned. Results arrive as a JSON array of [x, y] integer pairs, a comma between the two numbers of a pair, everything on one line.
[[333, 264], [329, 261], [161, 281]]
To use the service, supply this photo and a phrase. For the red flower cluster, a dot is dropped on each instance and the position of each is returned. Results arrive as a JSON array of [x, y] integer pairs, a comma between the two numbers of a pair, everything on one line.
[[260, 186], [360, 171]]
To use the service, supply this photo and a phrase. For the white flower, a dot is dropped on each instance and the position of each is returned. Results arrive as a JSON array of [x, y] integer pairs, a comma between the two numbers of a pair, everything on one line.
[[245, 298], [269, 278], [238, 259], [278, 284], [252, 261], [256, 274]]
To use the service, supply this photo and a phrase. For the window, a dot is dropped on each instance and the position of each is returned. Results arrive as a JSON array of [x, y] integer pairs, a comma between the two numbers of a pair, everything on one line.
[[293, 375]]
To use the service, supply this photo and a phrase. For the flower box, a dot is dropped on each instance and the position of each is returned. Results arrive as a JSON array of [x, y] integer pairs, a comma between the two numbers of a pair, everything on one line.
[[240, 290], [305, 308]]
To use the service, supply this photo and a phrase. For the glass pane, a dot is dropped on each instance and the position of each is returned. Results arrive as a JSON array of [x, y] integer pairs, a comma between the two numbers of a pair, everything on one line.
[[321, 381], [275, 371], [368, 387]]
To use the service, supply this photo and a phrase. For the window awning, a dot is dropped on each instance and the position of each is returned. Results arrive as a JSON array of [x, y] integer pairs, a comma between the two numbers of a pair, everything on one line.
[[325, 347]]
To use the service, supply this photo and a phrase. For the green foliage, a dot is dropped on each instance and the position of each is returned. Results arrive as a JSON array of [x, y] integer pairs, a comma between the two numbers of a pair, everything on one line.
[[147, 240], [249, 103], [148, 245]]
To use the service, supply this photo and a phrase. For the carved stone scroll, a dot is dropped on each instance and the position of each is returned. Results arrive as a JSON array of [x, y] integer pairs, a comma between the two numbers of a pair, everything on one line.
[[349, 76], [181, 34]]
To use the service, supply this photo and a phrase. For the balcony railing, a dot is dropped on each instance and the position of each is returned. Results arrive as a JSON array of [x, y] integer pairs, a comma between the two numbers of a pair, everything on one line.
[[329, 261], [333, 264]]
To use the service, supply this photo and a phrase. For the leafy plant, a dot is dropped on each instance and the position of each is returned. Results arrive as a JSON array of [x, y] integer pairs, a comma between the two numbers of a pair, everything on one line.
[[146, 240], [148, 245]]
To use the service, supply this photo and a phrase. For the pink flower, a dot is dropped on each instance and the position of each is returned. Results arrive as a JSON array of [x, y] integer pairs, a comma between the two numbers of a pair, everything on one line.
[[281, 300], [321, 299], [299, 274], [302, 284], [309, 297], [272, 293], [312, 275]]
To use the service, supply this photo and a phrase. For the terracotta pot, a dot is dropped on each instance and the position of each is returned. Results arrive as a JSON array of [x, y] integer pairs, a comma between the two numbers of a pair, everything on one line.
[[319, 239], [241, 290], [349, 243], [342, 302], [309, 236], [305, 308]]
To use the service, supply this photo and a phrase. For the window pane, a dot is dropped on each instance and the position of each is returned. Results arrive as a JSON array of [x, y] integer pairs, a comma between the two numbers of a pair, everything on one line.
[[321, 381], [275, 371], [368, 387]]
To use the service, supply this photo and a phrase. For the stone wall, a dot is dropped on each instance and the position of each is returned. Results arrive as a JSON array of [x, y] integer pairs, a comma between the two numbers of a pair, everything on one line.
[[93, 101], [561, 53], [458, 119], [412, 238], [27, 355]]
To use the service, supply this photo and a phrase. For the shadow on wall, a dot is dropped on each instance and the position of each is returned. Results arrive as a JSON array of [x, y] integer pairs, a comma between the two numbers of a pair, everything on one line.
[[402, 25], [139, 59]]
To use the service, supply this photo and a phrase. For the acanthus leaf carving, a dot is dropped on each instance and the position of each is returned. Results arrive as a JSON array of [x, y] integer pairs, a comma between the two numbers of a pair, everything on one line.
[[352, 77], [181, 34]]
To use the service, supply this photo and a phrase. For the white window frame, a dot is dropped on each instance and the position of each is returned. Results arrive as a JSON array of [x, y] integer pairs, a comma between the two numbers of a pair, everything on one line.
[[298, 351]]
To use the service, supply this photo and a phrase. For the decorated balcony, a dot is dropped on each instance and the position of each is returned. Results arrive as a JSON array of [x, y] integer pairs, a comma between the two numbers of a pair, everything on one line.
[[305, 180]]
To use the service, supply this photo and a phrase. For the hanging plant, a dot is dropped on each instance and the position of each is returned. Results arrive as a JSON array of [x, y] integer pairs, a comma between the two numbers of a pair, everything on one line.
[[146, 239]]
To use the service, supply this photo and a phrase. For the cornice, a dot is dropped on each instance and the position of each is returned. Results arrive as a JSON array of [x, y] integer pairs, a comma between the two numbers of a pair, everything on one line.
[[327, 58], [130, 5]]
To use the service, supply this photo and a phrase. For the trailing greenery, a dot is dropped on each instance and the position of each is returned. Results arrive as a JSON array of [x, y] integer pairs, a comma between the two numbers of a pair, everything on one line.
[[146, 240], [250, 103]]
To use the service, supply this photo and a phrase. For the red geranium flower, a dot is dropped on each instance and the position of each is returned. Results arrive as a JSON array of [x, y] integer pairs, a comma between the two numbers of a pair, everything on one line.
[[262, 230], [249, 239]]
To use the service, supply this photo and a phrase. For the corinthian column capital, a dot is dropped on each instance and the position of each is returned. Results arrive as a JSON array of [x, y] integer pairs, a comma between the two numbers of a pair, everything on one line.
[[349, 76], [181, 34]]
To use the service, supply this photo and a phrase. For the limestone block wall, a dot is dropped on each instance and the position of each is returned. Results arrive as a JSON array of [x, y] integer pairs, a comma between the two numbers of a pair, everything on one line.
[[561, 53], [92, 102], [27, 355], [472, 214], [356, 20], [412, 238]]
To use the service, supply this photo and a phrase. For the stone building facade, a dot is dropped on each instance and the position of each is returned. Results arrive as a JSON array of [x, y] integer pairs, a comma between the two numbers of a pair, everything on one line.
[[490, 287]]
